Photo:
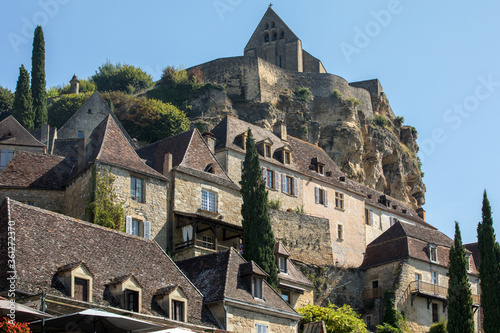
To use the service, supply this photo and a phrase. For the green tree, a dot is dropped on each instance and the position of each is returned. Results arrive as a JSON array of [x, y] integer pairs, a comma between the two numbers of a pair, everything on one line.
[[120, 77], [394, 321], [22, 108], [103, 208], [337, 320], [460, 315], [439, 327], [85, 86], [63, 107], [38, 88], [258, 237], [489, 269], [6, 102]]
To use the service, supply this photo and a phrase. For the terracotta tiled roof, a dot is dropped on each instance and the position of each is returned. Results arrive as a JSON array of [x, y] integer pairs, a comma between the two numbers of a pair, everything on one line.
[[218, 277], [111, 147], [304, 155], [36, 170], [189, 152], [110, 255], [13, 133]]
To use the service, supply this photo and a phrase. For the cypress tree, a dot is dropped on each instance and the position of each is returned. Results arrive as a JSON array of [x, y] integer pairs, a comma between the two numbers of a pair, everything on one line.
[[258, 237], [489, 270], [460, 314], [38, 88], [22, 107]]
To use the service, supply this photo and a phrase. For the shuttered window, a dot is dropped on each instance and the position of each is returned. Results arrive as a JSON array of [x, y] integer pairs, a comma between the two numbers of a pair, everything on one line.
[[81, 289]]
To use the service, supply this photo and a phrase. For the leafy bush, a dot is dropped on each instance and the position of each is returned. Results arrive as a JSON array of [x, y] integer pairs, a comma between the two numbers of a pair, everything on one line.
[[120, 77], [439, 327], [274, 204], [63, 107], [353, 101], [380, 120], [386, 328], [173, 75], [303, 93], [201, 126], [195, 75], [337, 94], [343, 319], [400, 120]]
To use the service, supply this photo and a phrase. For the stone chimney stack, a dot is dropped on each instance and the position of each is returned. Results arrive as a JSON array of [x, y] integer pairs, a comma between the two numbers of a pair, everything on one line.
[[44, 136], [167, 164], [75, 85], [421, 213], [210, 140], [279, 129]]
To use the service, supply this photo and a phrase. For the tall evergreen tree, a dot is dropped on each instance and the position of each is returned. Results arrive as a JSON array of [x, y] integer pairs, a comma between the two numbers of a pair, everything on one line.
[[258, 237], [489, 270], [460, 314], [22, 108], [38, 84]]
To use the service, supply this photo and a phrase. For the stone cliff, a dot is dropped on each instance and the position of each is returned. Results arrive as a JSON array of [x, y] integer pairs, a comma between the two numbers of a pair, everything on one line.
[[352, 122]]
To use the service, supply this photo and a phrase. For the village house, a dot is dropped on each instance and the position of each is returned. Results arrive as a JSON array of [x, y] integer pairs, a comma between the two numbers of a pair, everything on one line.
[[413, 261], [80, 265]]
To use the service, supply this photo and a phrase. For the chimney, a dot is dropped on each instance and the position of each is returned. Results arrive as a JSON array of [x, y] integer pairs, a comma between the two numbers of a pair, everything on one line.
[[210, 140], [421, 213], [44, 135], [279, 129], [167, 164], [75, 85], [81, 154]]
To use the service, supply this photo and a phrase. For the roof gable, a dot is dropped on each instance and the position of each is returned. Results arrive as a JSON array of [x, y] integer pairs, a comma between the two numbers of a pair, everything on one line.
[[13, 133]]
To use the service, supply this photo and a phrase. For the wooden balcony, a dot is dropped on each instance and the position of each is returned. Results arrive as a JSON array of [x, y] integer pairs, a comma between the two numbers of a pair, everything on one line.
[[370, 293], [434, 292]]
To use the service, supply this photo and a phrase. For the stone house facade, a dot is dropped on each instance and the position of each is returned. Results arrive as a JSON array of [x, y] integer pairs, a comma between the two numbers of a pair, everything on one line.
[[413, 261]]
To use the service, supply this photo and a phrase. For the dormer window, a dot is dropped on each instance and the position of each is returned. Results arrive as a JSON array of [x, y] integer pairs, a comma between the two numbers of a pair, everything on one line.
[[318, 166], [128, 292], [264, 147], [78, 281], [282, 265], [432, 248], [209, 168], [267, 151], [321, 169], [287, 157], [253, 277], [173, 301], [257, 287], [241, 140]]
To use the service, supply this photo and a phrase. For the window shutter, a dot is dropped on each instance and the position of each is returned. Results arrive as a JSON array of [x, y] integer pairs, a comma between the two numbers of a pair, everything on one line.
[[264, 174], [326, 198], [283, 183], [128, 224], [147, 229], [371, 217], [295, 186], [391, 221], [277, 181], [316, 195]]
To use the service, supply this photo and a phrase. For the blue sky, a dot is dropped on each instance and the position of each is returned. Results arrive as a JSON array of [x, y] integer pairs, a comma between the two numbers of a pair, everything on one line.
[[438, 62]]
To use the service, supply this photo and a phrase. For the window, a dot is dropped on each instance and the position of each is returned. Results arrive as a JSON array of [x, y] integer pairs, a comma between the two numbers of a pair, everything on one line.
[[375, 284], [136, 189], [266, 37], [80, 135], [467, 260], [321, 196], [339, 200], [208, 201], [368, 321], [131, 300], [418, 277], [137, 227], [81, 289], [340, 232], [261, 328], [289, 185], [257, 287], [435, 317], [178, 310], [434, 277], [209, 168], [5, 157], [282, 264], [207, 242], [287, 157], [267, 151], [321, 169], [285, 294], [275, 35], [433, 252], [282, 34], [270, 179], [367, 217]]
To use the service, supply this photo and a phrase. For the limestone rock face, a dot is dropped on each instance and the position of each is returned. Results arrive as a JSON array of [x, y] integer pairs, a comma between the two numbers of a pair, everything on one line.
[[352, 122]]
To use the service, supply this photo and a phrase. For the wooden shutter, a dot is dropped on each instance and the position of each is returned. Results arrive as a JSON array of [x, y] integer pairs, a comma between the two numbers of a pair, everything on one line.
[[326, 197], [264, 175], [391, 221], [295, 186], [128, 224], [147, 229], [371, 217], [81, 290], [316, 195], [277, 181], [283, 183]]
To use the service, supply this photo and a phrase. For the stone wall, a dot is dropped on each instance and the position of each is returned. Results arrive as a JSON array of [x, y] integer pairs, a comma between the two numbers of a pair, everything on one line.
[[77, 195], [52, 200], [306, 237], [243, 321]]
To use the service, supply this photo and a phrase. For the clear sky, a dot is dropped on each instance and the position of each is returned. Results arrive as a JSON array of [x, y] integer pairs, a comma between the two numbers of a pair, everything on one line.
[[438, 62]]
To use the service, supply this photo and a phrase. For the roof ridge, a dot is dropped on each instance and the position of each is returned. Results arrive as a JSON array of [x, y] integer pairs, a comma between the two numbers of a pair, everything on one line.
[[187, 147]]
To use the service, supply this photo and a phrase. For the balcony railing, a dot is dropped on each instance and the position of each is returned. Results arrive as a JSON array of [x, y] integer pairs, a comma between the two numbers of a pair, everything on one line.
[[201, 244], [370, 293], [430, 289]]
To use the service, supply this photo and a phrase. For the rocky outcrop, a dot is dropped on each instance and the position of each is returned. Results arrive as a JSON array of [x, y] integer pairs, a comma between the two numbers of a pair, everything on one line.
[[352, 122]]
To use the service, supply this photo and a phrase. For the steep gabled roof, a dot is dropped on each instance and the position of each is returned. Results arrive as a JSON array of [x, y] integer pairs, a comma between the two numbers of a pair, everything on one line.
[[37, 171], [190, 154], [218, 277], [111, 147], [13, 133]]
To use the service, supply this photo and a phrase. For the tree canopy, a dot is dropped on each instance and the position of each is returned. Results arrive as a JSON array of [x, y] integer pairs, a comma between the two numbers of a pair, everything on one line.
[[6, 102], [63, 107], [38, 84], [126, 78], [22, 108], [337, 320]]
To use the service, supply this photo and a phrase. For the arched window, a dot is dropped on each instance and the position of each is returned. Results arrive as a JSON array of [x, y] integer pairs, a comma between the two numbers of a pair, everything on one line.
[[275, 35], [266, 37], [273, 25], [267, 26], [282, 34]]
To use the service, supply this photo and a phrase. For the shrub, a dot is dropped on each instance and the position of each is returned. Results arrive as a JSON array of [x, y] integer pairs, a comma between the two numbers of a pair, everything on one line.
[[439, 327], [120, 77], [353, 101], [380, 120], [419, 163], [299, 210], [201, 126], [303, 93], [174, 75], [400, 120], [274, 204], [195, 75], [337, 319], [337, 94], [386, 328]]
